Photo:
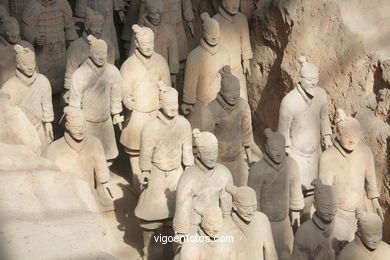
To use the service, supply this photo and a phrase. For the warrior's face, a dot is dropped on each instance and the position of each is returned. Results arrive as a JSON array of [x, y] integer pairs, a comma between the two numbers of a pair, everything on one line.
[[11, 33], [245, 210], [231, 95], [309, 84], [231, 6], [276, 150], [77, 132], [170, 108], [212, 225], [326, 209], [209, 157], [99, 56], [95, 29], [145, 45], [370, 237], [348, 137], [26, 64], [153, 14], [212, 38]]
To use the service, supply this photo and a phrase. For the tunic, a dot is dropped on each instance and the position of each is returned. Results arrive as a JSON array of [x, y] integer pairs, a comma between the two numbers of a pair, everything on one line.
[[165, 44], [232, 125], [106, 8], [97, 92], [235, 38], [302, 122], [198, 188], [253, 240], [54, 21], [316, 240], [174, 13], [165, 144], [139, 80], [353, 177], [357, 251], [16, 8], [278, 189], [33, 97], [202, 80], [8, 58], [78, 53]]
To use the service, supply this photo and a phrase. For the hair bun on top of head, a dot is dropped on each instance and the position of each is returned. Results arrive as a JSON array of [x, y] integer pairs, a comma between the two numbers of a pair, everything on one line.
[[91, 39], [340, 116], [19, 49], [268, 133], [196, 133], [231, 189], [226, 70], [204, 16], [316, 183], [302, 59], [136, 28]]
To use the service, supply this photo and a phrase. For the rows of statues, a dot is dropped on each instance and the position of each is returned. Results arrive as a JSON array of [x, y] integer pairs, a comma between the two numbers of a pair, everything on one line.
[[198, 173]]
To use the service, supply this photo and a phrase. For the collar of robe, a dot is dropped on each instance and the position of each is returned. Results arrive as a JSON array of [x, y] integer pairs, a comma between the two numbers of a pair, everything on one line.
[[210, 49], [27, 80], [226, 15], [154, 28], [359, 242], [98, 70], [165, 120], [201, 233], [47, 3], [4, 42], [146, 61], [244, 227], [338, 146], [326, 229], [203, 168], [304, 95], [270, 162], [225, 105], [74, 145]]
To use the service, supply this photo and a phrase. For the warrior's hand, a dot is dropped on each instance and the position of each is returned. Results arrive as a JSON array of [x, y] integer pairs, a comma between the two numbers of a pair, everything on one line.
[[129, 102], [49, 132], [247, 67], [173, 79], [191, 27], [377, 208], [117, 120], [122, 16], [328, 141], [295, 217], [248, 153], [144, 179], [288, 151], [187, 109], [40, 40], [226, 203]]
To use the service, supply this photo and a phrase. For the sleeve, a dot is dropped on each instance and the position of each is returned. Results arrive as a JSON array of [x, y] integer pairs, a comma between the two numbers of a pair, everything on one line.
[[191, 76], [76, 92], [147, 144], [301, 248], [28, 29], [370, 184], [70, 30], [142, 11], [285, 120], [269, 245], [254, 183], [72, 64], [102, 172], [132, 45], [184, 194], [47, 104], [111, 51], [324, 116], [246, 126], [188, 156], [126, 84], [188, 13], [246, 48], [208, 122], [80, 8], [326, 174], [173, 52], [116, 97], [119, 5], [165, 74], [296, 196]]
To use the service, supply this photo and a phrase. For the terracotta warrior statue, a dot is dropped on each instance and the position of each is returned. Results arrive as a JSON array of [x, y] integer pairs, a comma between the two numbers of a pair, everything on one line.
[[229, 118], [95, 88], [82, 156], [277, 183], [140, 73], [175, 11], [368, 244], [202, 81], [349, 166], [235, 37], [201, 185], [251, 229], [165, 41], [205, 244], [48, 24], [78, 51], [166, 145], [10, 36], [304, 121], [16, 8], [105, 8], [15, 126], [31, 92]]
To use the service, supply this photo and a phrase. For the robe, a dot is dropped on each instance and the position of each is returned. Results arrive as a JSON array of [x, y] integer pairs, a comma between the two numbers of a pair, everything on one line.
[[165, 145], [235, 38], [357, 251], [139, 80], [97, 92]]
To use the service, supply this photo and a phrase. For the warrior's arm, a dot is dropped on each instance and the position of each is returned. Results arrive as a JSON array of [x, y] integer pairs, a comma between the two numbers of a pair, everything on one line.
[[184, 195], [325, 123], [296, 196], [70, 30], [246, 48], [285, 120], [188, 156], [188, 13], [126, 86], [116, 95], [246, 127], [29, 32], [47, 103], [72, 64], [191, 77], [173, 52], [119, 5], [325, 172], [80, 8], [100, 163], [76, 92], [255, 183], [370, 184], [301, 248], [147, 145], [165, 74], [269, 245]]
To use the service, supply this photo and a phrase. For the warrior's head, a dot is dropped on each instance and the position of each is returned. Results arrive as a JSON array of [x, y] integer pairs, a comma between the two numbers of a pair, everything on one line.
[[75, 123], [25, 60], [308, 76], [97, 51], [212, 221], [244, 201], [325, 201], [275, 146], [369, 228], [10, 30], [168, 100], [207, 148], [230, 86], [348, 131], [154, 11], [94, 23], [211, 33], [231, 6], [144, 40]]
